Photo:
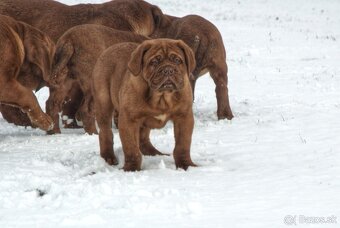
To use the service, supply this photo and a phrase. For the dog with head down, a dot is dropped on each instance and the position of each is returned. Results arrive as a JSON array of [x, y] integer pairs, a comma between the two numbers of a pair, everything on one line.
[[26, 61], [76, 54], [55, 18], [148, 85], [206, 42]]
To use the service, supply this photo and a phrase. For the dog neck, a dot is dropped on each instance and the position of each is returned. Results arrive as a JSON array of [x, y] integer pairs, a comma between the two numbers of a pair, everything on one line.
[[163, 101]]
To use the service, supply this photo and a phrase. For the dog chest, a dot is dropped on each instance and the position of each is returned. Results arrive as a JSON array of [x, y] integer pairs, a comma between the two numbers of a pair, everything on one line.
[[157, 121], [161, 117]]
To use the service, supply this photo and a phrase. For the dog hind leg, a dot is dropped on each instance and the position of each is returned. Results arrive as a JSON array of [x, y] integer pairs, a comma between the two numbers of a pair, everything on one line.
[[145, 145], [219, 74]]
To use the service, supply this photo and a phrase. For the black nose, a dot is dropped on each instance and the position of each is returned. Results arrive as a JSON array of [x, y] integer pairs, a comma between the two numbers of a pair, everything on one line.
[[168, 70]]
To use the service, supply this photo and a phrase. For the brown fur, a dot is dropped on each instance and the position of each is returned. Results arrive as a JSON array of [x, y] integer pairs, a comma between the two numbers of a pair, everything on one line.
[[15, 115], [148, 85], [26, 61], [76, 54], [206, 42], [55, 18]]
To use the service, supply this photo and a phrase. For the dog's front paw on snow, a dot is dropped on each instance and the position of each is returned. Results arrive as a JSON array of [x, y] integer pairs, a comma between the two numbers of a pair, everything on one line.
[[110, 158], [225, 113], [133, 163], [184, 164]]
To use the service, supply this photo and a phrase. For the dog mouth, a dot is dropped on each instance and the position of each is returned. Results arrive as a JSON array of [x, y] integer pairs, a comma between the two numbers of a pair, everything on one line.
[[166, 79], [162, 84], [168, 85]]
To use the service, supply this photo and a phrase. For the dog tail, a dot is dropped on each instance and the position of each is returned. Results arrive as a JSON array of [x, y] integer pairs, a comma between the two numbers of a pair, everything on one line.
[[63, 54]]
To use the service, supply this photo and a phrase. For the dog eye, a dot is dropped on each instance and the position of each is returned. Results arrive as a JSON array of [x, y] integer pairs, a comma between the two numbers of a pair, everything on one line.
[[155, 61], [175, 59]]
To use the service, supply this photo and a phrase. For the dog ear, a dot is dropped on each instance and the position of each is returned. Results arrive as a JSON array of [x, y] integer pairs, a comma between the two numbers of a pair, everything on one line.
[[157, 15], [40, 53], [135, 64], [189, 56]]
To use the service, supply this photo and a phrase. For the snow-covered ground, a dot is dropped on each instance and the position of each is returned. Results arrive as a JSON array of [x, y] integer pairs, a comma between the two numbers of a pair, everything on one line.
[[278, 158]]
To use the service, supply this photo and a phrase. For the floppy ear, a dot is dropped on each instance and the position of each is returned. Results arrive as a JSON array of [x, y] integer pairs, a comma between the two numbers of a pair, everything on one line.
[[135, 64], [189, 56], [40, 53], [157, 15]]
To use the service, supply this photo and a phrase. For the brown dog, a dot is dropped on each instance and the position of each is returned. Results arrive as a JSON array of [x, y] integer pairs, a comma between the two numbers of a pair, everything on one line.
[[26, 61], [206, 42], [148, 84], [55, 18], [76, 54]]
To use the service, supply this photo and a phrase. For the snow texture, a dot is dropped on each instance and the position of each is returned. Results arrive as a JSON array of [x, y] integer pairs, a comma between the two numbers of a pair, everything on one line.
[[278, 157]]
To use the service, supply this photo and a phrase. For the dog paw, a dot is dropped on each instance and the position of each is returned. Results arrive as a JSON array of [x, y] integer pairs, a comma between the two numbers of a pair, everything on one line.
[[53, 131], [151, 151], [110, 158], [128, 167], [185, 164], [91, 131], [133, 163], [225, 114]]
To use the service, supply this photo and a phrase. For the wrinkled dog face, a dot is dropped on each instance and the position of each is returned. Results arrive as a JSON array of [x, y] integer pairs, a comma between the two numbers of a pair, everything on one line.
[[164, 64], [164, 68]]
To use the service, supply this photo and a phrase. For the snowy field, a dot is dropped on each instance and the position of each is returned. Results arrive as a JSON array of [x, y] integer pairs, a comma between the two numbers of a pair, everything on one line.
[[278, 158]]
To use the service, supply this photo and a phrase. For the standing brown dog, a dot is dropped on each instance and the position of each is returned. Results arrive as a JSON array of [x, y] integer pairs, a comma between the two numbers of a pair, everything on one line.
[[148, 84], [26, 60], [76, 54], [206, 42], [55, 18]]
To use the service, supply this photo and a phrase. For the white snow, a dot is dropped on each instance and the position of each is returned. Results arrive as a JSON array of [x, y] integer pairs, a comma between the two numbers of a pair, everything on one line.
[[278, 157]]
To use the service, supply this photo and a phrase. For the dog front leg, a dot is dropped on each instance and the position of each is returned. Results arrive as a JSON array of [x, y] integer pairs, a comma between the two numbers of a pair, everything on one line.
[[129, 136], [183, 127], [193, 85], [87, 114], [53, 107]]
